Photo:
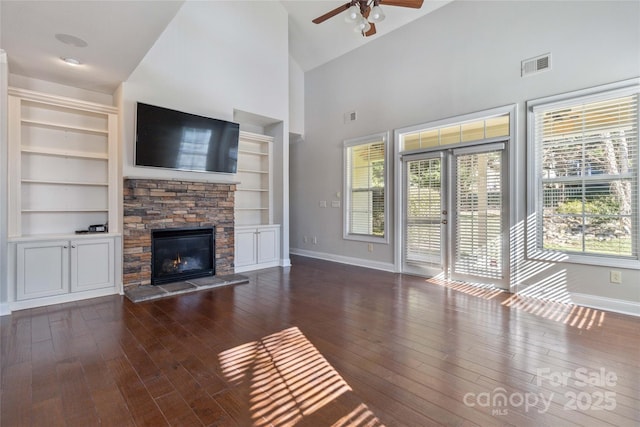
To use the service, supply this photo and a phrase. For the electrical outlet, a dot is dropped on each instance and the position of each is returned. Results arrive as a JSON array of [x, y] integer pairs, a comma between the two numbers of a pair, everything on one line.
[[322, 203], [315, 240], [335, 203], [370, 247], [615, 276]]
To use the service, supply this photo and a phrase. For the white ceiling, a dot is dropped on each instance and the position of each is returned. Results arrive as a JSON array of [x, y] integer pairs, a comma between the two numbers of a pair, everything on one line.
[[314, 44], [28, 30]]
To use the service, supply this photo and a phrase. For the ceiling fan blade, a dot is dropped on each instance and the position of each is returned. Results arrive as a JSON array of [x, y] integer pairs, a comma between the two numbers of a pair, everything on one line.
[[415, 4], [332, 13]]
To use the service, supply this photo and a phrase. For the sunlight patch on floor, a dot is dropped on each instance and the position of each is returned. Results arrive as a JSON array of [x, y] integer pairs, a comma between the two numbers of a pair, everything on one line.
[[572, 315], [474, 289], [548, 299], [289, 381]]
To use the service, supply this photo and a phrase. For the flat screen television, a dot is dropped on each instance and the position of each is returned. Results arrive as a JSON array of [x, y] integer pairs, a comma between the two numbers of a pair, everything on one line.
[[173, 139]]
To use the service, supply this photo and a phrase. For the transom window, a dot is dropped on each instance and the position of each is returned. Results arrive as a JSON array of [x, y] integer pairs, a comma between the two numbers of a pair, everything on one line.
[[586, 174], [365, 188], [476, 130]]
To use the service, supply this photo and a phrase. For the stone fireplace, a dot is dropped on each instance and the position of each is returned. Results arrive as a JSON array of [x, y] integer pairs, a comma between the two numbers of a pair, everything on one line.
[[157, 204]]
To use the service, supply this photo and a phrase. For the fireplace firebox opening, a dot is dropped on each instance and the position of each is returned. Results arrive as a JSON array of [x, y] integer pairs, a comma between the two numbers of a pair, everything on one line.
[[179, 254]]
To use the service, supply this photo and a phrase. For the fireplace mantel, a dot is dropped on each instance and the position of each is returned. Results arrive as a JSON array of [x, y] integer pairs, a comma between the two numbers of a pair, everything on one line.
[[217, 180]]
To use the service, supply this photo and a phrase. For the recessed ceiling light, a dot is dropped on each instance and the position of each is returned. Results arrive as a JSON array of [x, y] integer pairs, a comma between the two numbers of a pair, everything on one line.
[[71, 40], [71, 61]]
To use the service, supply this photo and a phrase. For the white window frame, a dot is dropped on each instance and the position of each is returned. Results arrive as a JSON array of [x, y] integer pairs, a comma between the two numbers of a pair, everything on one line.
[[534, 244], [351, 143]]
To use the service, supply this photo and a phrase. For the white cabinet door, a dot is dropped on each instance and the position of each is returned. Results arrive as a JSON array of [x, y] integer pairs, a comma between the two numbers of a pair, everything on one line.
[[246, 253], [43, 269], [92, 264], [267, 243], [257, 247]]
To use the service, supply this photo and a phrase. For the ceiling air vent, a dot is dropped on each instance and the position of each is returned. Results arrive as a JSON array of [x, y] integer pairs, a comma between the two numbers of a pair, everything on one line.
[[536, 65]]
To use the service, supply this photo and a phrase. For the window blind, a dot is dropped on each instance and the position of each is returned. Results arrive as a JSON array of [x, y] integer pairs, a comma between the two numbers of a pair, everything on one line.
[[423, 236], [366, 190], [478, 247], [587, 165]]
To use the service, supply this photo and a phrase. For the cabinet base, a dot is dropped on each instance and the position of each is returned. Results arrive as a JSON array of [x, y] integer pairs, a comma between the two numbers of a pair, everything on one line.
[[259, 266], [60, 299]]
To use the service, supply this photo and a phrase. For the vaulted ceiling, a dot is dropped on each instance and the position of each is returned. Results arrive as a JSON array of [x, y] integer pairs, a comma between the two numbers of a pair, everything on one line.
[[36, 34]]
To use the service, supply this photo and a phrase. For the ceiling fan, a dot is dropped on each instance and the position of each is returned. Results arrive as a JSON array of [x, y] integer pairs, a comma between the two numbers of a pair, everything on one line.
[[365, 13]]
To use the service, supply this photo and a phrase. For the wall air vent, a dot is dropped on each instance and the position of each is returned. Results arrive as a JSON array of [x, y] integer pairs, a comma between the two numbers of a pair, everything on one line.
[[351, 116], [535, 65]]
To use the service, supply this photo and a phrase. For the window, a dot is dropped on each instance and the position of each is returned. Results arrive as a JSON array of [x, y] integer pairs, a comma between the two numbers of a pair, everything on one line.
[[464, 132], [366, 188], [585, 152]]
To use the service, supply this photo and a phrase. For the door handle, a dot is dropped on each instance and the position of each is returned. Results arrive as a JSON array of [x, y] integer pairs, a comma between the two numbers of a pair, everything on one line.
[[444, 212], [444, 221]]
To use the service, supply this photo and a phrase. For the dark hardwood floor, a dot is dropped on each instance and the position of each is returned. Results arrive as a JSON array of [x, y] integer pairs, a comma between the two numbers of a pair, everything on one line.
[[321, 344]]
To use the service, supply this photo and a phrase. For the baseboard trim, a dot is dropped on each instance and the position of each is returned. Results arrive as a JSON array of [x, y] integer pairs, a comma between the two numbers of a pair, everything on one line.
[[360, 262], [253, 267], [60, 299], [5, 310], [285, 262], [608, 304]]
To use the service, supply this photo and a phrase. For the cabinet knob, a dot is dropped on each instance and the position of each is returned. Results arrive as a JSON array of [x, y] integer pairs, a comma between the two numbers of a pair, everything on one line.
[[65, 247], [73, 246]]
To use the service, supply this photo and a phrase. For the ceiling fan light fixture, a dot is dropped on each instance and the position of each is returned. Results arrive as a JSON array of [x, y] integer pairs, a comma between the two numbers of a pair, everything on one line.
[[353, 14], [362, 26], [365, 13], [376, 15]]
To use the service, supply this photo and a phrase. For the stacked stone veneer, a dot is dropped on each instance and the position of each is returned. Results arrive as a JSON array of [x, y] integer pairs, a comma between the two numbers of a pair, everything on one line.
[[151, 204]]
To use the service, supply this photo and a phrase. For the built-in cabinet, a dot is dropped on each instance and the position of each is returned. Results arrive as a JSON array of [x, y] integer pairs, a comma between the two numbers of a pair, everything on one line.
[[257, 247], [257, 239], [254, 200], [57, 267], [62, 179], [63, 166]]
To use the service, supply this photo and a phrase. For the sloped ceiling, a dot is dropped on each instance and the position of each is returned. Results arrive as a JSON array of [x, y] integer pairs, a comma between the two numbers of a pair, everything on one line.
[[119, 33]]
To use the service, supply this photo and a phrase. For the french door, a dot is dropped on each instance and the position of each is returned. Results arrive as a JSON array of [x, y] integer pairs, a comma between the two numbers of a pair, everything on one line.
[[456, 214]]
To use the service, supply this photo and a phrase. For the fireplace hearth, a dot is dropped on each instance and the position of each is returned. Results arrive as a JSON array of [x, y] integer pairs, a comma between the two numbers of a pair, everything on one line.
[[179, 254]]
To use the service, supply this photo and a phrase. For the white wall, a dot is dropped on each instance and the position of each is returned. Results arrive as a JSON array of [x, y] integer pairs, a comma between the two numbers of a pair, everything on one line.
[[462, 58], [4, 145], [215, 58], [296, 98]]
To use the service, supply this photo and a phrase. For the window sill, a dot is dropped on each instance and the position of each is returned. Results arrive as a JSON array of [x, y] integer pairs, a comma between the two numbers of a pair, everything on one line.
[[601, 261], [365, 238]]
